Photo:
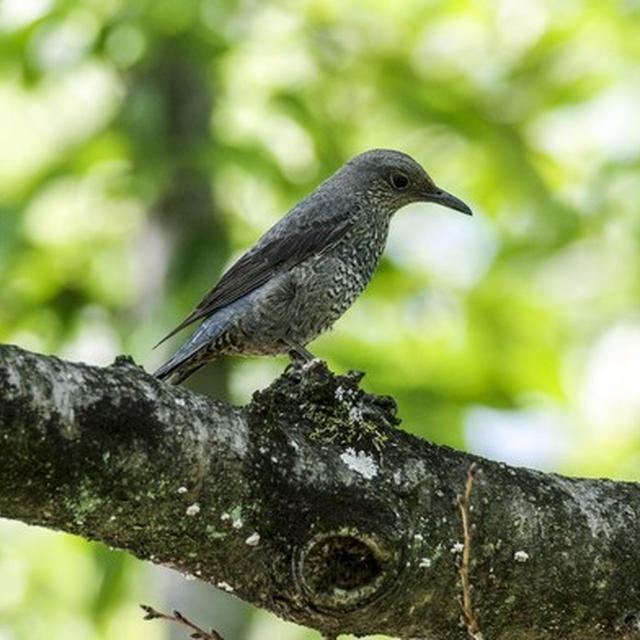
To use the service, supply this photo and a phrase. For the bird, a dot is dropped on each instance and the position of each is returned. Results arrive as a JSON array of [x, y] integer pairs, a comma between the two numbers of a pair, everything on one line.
[[308, 268]]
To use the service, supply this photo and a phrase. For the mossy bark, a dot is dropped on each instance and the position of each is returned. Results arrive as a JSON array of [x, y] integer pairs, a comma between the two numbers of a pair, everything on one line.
[[311, 503]]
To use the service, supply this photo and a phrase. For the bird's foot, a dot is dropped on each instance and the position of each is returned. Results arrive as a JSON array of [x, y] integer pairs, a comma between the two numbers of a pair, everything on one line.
[[300, 357], [298, 353]]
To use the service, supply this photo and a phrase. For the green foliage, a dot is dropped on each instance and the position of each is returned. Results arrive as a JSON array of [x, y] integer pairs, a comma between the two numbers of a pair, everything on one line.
[[146, 143]]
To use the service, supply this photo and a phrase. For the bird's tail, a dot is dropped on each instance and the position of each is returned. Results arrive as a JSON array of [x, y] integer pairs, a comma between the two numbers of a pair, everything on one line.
[[196, 351], [178, 370]]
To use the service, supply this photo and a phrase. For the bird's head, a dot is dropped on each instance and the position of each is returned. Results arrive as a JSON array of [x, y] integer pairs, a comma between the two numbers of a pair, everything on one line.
[[395, 179]]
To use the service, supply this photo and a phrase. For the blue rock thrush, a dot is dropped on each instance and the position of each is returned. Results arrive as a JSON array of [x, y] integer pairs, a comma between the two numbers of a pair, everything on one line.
[[305, 271]]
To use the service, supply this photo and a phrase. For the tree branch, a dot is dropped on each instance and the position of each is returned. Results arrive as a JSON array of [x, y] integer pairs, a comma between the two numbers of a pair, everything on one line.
[[310, 503]]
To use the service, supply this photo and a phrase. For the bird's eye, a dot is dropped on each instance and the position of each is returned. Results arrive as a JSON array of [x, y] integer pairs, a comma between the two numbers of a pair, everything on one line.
[[399, 180]]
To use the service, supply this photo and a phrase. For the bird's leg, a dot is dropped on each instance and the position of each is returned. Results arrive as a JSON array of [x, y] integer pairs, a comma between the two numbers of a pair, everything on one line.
[[298, 352]]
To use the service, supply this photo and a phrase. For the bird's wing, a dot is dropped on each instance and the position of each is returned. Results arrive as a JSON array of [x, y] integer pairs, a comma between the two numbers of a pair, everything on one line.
[[258, 265]]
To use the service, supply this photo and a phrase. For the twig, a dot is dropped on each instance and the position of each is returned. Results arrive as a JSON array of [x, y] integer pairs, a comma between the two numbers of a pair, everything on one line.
[[464, 503], [196, 632]]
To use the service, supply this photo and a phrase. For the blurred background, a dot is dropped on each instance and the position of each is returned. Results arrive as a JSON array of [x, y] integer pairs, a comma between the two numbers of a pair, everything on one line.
[[145, 144]]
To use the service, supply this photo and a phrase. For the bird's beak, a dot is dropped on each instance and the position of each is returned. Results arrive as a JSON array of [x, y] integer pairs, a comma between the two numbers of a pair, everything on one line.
[[440, 196]]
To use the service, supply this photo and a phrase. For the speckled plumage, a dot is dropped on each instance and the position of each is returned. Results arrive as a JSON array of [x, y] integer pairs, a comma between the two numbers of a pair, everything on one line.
[[306, 271]]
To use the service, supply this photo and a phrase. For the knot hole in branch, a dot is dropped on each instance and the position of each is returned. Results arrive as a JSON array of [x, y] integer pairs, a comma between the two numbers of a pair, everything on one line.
[[342, 569], [628, 625]]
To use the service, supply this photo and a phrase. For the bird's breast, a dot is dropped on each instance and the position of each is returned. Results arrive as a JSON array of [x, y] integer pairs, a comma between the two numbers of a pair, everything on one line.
[[343, 272], [362, 247], [305, 300]]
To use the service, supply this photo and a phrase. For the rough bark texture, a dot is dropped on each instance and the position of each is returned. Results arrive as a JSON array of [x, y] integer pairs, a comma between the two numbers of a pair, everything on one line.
[[311, 503]]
